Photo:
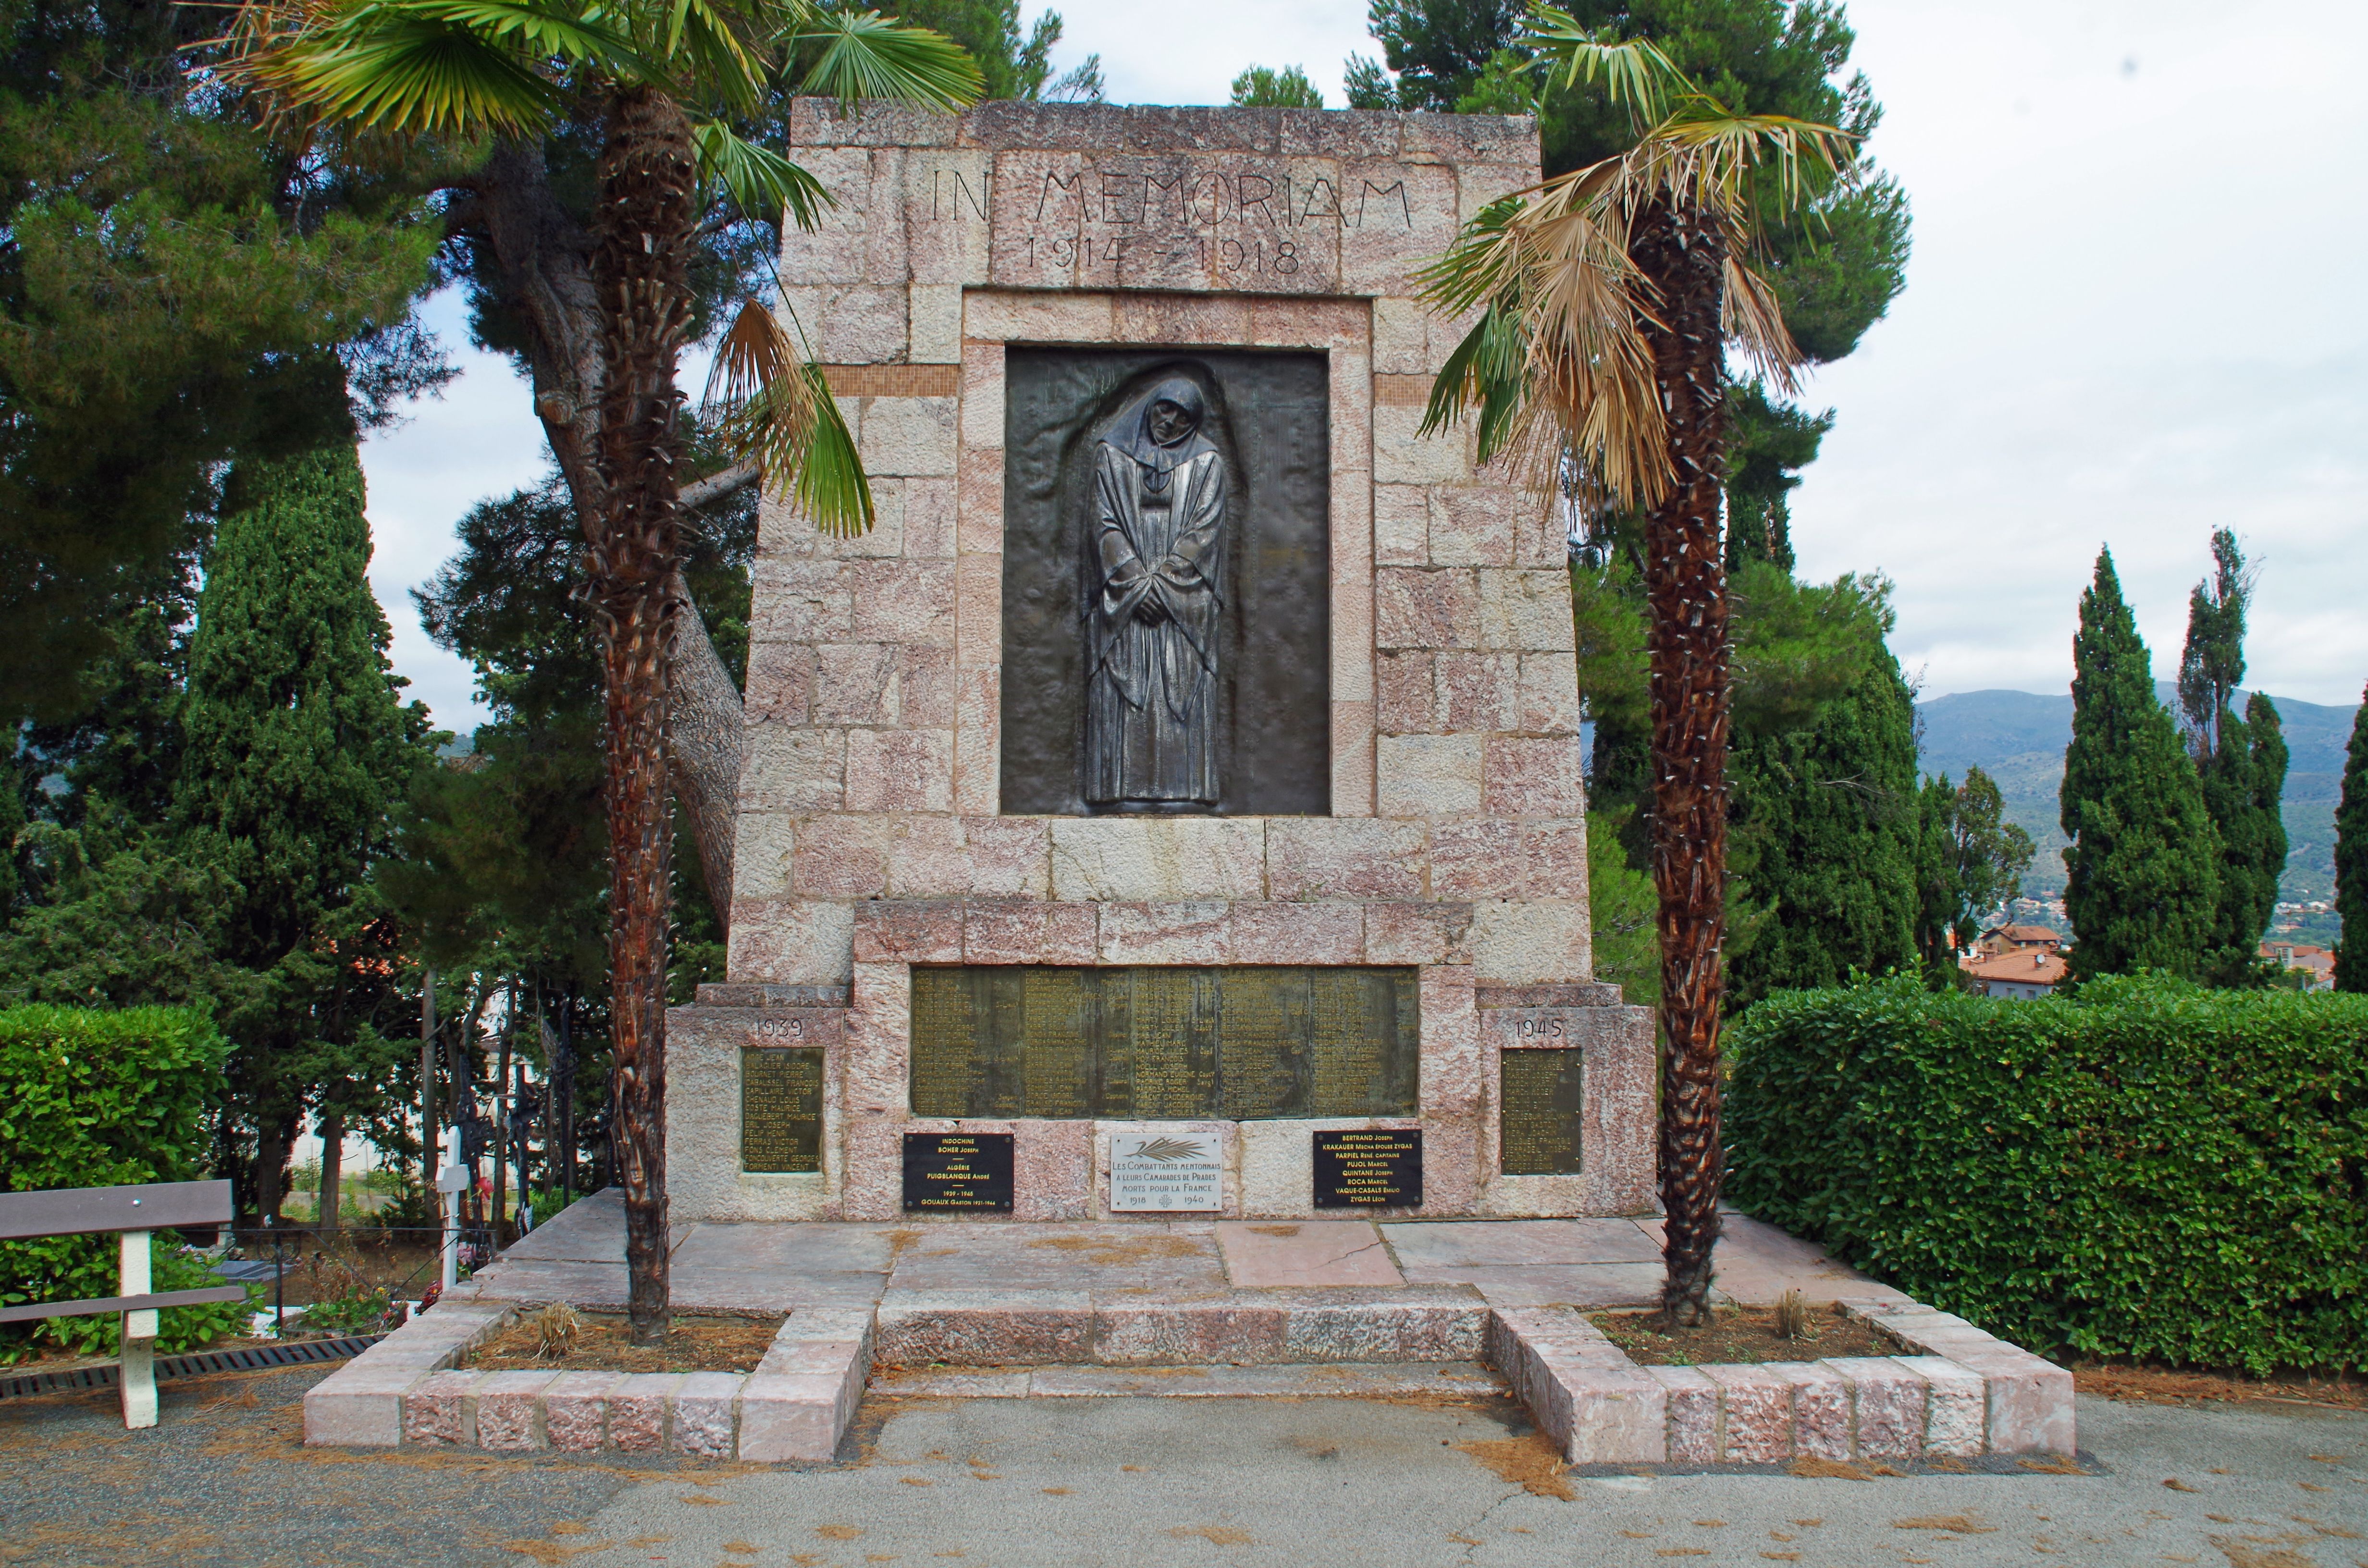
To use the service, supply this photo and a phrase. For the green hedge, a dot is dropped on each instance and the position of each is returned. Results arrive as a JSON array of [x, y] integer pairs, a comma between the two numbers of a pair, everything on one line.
[[2145, 1169], [91, 1099]]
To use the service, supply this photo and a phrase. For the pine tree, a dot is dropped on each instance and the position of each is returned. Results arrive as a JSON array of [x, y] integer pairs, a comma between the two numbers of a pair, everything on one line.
[[2144, 881], [2351, 859], [2241, 763], [1826, 820], [296, 750]]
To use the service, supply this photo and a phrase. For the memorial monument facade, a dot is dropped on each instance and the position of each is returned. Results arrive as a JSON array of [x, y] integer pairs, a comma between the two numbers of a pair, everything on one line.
[[1176, 799]]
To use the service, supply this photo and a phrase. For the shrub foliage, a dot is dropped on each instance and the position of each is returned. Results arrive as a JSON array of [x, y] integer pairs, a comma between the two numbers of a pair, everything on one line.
[[2146, 1168], [92, 1098]]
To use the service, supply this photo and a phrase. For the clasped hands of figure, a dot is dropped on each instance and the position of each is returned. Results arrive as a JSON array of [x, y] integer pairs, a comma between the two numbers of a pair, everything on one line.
[[1152, 609]]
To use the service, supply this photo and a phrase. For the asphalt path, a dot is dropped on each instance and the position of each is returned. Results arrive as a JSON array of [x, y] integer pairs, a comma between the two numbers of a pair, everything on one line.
[[1049, 1483]]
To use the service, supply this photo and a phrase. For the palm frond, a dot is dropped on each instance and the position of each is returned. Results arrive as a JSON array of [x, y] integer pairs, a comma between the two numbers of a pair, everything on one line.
[[1634, 71], [866, 56], [409, 67], [778, 415], [761, 181], [705, 43]]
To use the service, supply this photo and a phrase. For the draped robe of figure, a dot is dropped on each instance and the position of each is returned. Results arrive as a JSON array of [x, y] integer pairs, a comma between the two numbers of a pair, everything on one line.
[[1155, 562]]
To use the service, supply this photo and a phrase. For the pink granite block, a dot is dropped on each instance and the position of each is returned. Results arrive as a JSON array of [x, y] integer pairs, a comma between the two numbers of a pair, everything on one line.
[[1821, 1408], [983, 1328], [506, 1409], [1506, 859], [1956, 1414], [358, 1406], [1473, 525], [702, 1415], [1052, 1171], [928, 857], [1297, 933], [436, 1410], [1432, 1322], [979, 582], [840, 857], [856, 683], [904, 601], [1478, 691], [637, 1411], [1028, 933], [929, 519], [979, 525], [792, 1359], [1693, 1413], [1533, 777], [1547, 701], [1756, 1414], [795, 1417], [2030, 1406], [1418, 933], [931, 688], [889, 932], [575, 1411], [1343, 857], [1355, 765], [900, 770], [1130, 1331], [1406, 697], [1011, 857], [781, 683], [1192, 933], [1439, 607], [1617, 1417], [1888, 1400]]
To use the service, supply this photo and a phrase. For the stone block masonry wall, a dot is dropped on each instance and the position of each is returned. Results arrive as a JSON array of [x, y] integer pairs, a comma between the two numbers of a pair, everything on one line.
[[870, 832]]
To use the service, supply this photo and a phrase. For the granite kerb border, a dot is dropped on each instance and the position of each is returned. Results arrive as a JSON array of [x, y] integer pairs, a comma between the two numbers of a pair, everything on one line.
[[1263, 1326], [413, 1389], [1953, 1392]]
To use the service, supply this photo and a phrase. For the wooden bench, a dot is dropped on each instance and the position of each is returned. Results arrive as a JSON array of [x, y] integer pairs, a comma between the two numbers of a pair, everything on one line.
[[134, 1212]]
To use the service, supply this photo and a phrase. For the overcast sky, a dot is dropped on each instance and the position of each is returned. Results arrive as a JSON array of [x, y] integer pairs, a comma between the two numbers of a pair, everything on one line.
[[2133, 315]]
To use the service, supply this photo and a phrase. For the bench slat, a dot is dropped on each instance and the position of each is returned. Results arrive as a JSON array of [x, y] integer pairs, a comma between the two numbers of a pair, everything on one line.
[[87, 1211], [31, 1311]]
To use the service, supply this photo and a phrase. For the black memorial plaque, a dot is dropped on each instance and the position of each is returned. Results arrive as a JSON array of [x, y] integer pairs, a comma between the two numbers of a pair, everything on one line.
[[781, 1108], [957, 1172], [1369, 1168], [1269, 414], [1246, 1042], [1543, 1100]]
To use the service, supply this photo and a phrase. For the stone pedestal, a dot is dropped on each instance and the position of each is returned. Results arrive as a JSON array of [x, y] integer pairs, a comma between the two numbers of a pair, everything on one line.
[[872, 833]]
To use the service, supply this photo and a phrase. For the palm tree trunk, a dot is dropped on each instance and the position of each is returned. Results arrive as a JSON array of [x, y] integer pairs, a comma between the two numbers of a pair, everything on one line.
[[648, 201], [1685, 581]]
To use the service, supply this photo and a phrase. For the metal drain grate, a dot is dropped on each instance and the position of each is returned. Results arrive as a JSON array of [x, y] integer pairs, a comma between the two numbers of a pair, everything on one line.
[[245, 1358]]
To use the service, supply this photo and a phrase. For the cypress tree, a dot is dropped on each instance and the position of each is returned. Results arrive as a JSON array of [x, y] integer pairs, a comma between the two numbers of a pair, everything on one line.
[[2240, 762], [295, 749], [1826, 818], [2143, 885], [2351, 859]]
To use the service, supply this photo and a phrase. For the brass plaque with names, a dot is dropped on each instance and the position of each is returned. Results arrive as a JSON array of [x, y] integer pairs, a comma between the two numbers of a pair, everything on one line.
[[781, 1108], [1242, 1042], [1544, 1099]]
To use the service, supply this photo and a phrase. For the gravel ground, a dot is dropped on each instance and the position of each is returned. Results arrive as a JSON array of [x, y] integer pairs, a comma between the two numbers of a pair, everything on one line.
[[1048, 1483]]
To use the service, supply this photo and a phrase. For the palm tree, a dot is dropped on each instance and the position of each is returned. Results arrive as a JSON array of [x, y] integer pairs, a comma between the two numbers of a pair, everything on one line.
[[664, 81], [1608, 300]]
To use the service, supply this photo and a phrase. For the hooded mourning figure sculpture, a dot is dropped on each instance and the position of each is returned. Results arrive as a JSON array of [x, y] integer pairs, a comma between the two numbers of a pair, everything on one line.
[[1155, 556]]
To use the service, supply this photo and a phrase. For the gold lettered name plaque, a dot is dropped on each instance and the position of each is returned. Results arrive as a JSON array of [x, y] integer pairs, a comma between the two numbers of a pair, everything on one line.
[[1244, 1043], [781, 1108], [1544, 1111]]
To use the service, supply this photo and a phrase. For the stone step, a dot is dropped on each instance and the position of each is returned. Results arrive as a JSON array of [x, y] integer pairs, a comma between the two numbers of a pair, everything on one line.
[[1293, 1379], [1137, 1328]]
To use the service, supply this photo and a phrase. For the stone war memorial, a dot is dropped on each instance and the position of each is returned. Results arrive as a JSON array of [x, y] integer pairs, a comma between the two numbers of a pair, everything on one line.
[[1189, 757], [1159, 946]]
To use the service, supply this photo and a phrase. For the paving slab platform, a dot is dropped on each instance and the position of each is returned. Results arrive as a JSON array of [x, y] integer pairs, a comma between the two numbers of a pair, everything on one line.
[[1194, 1309]]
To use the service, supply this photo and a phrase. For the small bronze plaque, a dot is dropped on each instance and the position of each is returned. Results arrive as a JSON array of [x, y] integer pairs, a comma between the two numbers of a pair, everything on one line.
[[780, 1108], [1544, 1097], [1244, 1043], [1368, 1169], [949, 1172]]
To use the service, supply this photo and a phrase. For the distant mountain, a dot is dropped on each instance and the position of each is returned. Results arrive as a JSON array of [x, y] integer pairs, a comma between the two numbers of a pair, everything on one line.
[[2017, 738]]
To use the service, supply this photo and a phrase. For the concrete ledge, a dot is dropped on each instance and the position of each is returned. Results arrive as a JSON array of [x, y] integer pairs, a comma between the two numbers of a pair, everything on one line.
[[412, 1388], [1968, 1394]]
